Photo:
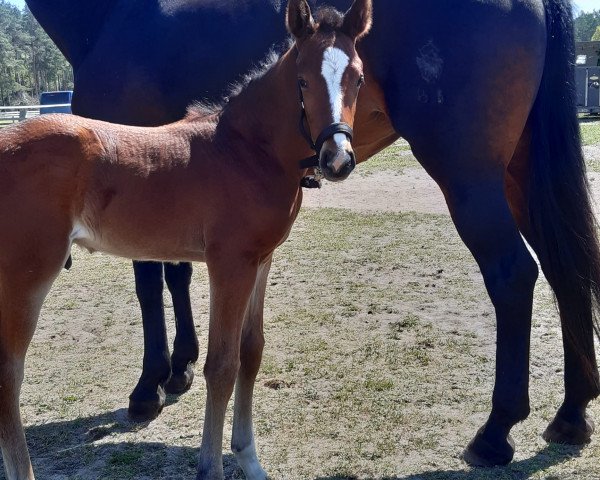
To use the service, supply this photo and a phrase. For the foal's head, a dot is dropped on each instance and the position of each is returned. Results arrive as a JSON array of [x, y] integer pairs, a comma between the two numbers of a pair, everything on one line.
[[330, 74]]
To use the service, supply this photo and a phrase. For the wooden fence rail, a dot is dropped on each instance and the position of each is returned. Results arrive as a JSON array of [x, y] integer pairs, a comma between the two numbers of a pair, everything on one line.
[[10, 115]]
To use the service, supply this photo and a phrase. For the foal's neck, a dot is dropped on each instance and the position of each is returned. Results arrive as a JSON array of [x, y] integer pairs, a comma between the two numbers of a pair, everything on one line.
[[267, 113]]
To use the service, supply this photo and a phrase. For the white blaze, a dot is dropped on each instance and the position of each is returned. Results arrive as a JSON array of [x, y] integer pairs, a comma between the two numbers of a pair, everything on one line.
[[335, 62]]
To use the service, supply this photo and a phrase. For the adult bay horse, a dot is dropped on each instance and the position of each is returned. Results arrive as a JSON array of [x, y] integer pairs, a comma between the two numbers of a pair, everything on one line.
[[483, 93], [220, 186]]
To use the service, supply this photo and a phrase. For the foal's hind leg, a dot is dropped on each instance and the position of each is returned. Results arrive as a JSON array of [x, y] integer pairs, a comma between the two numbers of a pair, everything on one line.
[[242, 441], [17, 324], [22, 292], [483, 219], [185, 346]]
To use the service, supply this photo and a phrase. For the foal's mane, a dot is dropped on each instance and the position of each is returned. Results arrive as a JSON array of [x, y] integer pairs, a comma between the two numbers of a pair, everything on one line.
[[328, 21], [202, 109]]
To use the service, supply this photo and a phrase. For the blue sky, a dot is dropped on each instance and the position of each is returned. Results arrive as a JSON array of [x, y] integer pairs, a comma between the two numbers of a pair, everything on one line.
[[585, 5], [588, 5]]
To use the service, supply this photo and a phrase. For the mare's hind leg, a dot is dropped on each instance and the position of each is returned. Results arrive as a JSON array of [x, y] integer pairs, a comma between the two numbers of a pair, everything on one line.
[[242, 440], [23, 288], [185, 346], [483, 219], [571, 424]]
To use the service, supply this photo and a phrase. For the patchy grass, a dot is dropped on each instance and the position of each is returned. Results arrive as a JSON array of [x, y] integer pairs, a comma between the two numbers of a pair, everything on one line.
[[590, 131], [398, 157], [395, 158], [380, 341]]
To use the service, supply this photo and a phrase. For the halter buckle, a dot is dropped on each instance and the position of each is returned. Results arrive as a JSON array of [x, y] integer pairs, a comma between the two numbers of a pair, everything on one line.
[[313, 181]]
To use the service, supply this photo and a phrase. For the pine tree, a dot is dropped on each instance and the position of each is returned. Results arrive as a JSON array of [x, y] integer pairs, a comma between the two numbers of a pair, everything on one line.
[[29, 62]]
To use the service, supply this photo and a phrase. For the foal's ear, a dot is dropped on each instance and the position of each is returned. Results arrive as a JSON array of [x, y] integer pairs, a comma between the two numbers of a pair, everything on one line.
[[300, 22], [358, 20]]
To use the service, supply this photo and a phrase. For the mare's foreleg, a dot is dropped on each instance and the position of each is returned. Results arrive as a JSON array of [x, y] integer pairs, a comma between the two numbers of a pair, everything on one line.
[[232, 279], [482, 217], [148, 397], [242, 441], [185, 346]]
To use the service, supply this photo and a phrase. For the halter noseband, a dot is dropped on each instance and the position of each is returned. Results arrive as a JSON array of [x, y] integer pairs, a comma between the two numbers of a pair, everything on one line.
[[314, 181]]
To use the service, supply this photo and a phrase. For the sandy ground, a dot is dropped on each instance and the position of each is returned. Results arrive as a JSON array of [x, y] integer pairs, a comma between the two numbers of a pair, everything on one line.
[[411, 191]]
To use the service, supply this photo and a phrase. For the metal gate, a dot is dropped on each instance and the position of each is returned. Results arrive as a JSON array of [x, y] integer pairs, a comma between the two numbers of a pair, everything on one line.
[[587, 80]]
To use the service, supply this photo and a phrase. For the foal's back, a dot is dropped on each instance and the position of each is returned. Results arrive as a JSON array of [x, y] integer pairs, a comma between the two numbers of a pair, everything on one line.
[[73, 140]]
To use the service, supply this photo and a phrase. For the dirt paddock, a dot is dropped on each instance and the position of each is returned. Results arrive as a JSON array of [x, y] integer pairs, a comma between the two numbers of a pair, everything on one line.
[[378, 364]]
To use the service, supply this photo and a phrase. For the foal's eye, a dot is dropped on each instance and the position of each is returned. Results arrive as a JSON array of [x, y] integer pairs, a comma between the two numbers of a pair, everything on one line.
[[303, 83], [361, 81]]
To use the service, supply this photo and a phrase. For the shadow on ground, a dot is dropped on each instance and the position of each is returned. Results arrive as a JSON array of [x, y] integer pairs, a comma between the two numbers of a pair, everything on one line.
[[520, 470], [83, 449]]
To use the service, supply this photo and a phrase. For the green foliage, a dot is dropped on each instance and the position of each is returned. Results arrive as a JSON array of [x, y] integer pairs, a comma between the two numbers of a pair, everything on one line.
[[596, 35], [590, 132], [586, 25], [29, 62]]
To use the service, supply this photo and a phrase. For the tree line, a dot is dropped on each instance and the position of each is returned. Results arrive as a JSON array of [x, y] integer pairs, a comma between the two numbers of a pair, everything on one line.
[[587, 26], [30, 63]]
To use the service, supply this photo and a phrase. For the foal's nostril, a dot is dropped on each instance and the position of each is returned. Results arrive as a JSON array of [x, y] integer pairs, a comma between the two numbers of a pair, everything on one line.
[[329, 160], [352, 160], [336, 161]]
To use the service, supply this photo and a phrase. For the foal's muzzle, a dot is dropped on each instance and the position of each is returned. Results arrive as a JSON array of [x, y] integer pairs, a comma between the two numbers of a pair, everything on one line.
[[336, 158]]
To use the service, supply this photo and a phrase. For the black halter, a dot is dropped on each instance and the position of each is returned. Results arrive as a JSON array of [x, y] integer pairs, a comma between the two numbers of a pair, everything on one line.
[[328, 132]]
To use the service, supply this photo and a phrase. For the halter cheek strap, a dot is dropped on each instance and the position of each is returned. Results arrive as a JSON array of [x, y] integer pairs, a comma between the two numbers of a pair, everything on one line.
[[328, 132]]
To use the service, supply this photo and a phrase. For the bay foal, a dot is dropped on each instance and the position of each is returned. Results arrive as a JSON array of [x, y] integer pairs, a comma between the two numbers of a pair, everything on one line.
[[221, 187]]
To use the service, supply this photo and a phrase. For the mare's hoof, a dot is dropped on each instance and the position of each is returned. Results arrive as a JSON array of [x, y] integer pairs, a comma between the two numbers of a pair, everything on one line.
[[481, 453], [180, 383], [569, 433], [147, 409]]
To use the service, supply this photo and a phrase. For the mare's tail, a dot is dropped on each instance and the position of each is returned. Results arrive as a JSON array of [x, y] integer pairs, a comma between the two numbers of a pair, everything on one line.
[[562, 219]]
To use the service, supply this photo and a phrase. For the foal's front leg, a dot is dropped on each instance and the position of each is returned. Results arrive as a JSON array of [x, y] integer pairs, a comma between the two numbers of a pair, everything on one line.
[[232, 279], [242, 440]]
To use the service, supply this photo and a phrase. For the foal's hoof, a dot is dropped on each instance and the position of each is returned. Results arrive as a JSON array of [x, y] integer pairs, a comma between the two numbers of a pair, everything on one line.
[[180, 382], [147, 409], [569, 433], [481, 453]]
